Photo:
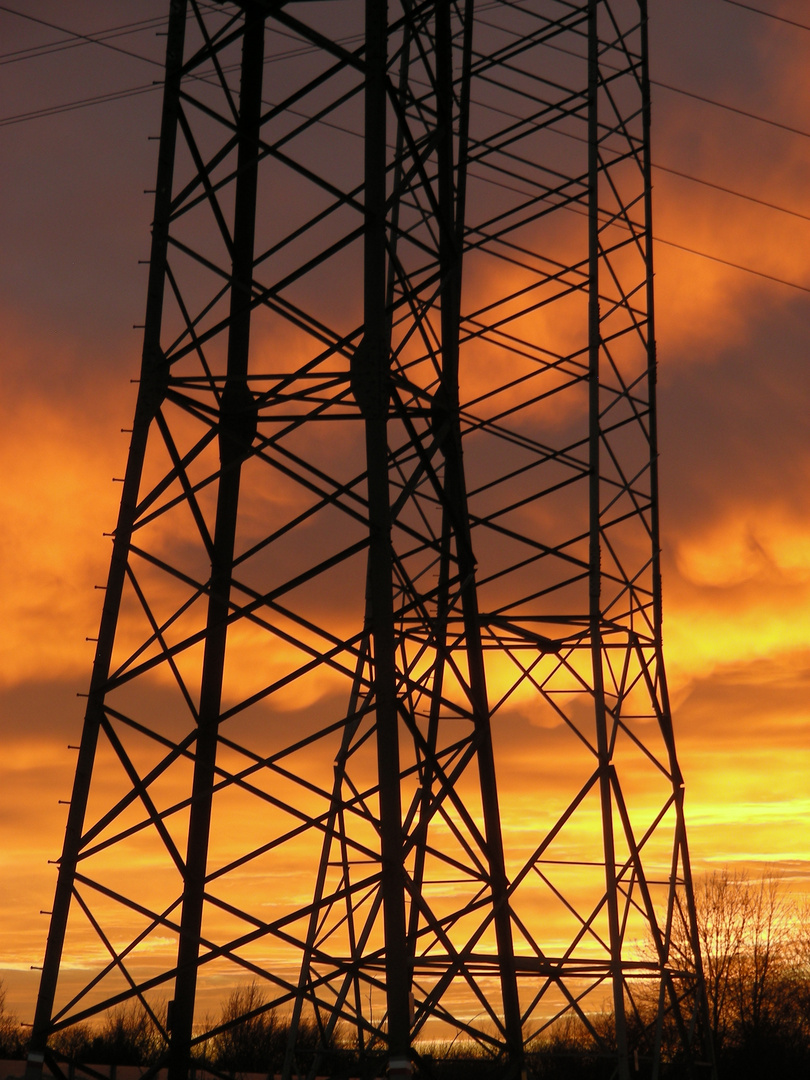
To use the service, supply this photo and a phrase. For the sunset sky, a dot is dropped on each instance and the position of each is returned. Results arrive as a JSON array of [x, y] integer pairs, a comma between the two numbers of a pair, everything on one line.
[[732, 219]]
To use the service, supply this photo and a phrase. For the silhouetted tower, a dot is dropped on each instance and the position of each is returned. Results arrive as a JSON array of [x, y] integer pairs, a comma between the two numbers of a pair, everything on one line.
[[378, 716]]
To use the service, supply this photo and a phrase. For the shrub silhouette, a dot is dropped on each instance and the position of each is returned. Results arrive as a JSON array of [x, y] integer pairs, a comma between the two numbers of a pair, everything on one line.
[[13, 1037], [250, 1036]]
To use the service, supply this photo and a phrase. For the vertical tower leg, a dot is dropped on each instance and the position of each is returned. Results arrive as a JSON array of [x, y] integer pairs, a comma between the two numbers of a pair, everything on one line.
[[372, 367], [237, 427], [152, 387], [451, 242], [604, 748]]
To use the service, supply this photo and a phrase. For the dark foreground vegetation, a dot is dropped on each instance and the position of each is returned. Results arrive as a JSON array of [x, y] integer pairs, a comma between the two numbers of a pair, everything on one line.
[[755, 942]]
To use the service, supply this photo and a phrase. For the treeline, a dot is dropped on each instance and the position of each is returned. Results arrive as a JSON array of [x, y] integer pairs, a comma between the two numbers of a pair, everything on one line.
[[755, 942], [131, 1035]]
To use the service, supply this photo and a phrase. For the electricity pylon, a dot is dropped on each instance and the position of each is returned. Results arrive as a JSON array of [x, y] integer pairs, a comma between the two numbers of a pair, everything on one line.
[[378, 715]]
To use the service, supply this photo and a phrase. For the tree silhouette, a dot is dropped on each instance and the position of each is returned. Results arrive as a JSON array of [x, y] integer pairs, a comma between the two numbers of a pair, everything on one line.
[[753, 938]]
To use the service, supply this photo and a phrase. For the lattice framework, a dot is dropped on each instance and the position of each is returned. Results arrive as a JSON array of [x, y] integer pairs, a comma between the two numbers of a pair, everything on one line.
[[388, 543]]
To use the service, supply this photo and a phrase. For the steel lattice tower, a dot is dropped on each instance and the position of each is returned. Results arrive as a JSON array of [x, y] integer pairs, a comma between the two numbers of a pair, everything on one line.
[[388, 550]]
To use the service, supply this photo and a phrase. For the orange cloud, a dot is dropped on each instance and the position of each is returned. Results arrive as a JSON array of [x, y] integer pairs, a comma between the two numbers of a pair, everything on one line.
[[703, 304], [739, 590], [766, 543], [57, 495]]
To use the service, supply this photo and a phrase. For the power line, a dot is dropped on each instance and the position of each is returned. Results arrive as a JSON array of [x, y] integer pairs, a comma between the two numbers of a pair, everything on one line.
[[34, 52], [76, 40], [732, 109], [768, 14], [100, 40], [731, 191], [116, 95], [733, 265], [696, 97], [82, 103], [87, 38], [119, 95]]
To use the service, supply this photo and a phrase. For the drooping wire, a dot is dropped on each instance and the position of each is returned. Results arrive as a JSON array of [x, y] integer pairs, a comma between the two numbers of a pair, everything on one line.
[[88, 39], [768, 14], [34, 52], [76, 38]]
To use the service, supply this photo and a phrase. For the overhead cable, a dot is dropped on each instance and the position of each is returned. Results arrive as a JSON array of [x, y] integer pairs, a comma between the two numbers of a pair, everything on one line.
[[768, 14], [732, 109], [147, 88], [90, 39], [34, 52]]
